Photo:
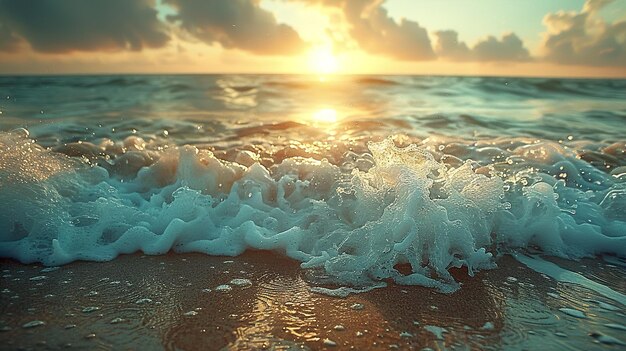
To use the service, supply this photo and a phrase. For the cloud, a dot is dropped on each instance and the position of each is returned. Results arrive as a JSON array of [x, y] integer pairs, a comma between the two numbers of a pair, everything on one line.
[[240, 24], [595, 5], [376, 32], [584, 38], [59, 26], [64, 26], [8, 40], [508, 48], [448, 46]]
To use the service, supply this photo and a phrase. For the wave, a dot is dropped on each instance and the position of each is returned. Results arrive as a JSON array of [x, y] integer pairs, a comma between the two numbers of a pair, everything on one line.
[[361, 220], [376, 81], [541, 88]]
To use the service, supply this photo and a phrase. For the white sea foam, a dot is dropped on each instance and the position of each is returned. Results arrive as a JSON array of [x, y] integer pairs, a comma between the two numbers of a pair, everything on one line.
[[357, 225]]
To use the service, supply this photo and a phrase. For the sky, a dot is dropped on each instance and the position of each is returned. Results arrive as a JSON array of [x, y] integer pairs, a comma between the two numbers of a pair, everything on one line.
[[566, 38]]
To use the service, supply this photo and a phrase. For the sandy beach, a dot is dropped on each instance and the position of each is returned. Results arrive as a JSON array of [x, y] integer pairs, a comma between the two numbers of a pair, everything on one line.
[[263, 301]]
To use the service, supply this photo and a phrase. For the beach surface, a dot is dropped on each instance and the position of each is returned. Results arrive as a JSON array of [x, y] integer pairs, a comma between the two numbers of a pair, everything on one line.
[[261, 300]]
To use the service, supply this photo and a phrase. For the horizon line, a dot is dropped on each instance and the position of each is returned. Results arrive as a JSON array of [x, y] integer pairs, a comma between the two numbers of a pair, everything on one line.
[[513, 76]]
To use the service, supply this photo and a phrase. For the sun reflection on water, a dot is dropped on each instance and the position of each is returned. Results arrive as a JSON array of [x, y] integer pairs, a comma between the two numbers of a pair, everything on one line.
[[325, 115]]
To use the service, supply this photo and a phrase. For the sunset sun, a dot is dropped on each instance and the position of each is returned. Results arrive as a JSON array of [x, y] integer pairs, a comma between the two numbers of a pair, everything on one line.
[[322, 61]]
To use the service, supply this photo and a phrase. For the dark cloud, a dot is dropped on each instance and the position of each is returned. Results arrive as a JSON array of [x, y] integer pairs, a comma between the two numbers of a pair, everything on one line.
[[584, 38], [508, 48], [240, 24], [57, 26]]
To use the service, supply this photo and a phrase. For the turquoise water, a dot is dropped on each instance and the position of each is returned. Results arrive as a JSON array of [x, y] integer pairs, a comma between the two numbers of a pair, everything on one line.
[[465, 107], [355, 176]]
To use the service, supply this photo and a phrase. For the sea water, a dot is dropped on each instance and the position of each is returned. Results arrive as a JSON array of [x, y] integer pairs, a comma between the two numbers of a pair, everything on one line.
[[363, 178]]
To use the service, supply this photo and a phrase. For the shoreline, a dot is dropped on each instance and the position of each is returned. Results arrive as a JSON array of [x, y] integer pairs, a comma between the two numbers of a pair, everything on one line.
[[175, 301]]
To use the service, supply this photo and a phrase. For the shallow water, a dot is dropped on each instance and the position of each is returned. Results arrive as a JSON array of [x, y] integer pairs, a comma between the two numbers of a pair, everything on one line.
[[363, 178]]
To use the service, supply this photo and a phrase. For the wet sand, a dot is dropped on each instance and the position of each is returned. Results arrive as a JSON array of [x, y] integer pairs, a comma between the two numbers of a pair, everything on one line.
[[180, 302]]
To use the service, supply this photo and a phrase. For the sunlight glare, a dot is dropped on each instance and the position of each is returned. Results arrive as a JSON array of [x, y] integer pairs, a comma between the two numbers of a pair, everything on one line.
[[326, 115], [322, 61]]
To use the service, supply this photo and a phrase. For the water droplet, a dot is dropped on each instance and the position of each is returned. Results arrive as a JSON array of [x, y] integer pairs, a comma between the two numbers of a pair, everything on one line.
[[573, 312], [357, 306], [241, 282], [33, 324], [487, 326], [328, 342], [49, 269], [223, 288]]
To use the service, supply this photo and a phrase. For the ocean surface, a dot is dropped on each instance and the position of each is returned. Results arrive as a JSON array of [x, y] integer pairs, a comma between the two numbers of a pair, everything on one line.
[[362, 179]]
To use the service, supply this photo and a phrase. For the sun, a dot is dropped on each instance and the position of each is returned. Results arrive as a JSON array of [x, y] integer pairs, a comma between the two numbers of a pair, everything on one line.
[[322, 61]]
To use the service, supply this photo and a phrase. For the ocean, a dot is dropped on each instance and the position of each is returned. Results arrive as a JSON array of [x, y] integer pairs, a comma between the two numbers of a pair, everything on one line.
[[364, 181]]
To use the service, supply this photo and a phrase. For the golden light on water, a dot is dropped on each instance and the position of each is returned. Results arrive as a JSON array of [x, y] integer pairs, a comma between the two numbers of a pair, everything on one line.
[[325, 115]]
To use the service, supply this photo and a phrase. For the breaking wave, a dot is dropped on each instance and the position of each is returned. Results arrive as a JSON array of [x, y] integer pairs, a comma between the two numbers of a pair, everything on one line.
[[407, 214]]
